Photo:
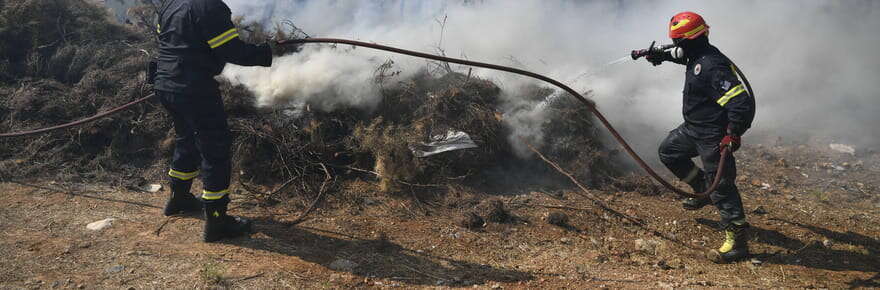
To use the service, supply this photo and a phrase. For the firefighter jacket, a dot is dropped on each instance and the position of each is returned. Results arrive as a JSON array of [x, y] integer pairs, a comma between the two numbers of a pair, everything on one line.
[[196, 40], [714, 97]]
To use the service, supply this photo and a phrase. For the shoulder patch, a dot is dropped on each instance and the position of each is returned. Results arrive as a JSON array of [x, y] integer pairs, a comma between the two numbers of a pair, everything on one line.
[[697, 69], [725, 85]]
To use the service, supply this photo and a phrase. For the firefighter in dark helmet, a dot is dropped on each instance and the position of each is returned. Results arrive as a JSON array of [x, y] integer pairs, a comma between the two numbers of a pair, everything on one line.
[[196, 39], [717, 110]]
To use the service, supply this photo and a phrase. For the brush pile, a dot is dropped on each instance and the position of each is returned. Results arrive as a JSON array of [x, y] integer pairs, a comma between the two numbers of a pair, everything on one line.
[[63, 60]]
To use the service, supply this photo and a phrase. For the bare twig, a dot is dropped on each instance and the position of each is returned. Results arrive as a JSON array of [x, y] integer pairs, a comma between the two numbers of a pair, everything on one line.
[[783, 273], [802, 248], [408, 208], [256, 192], [321, 192], [444, 65], [571, 177], [248, 188], [389, 177], [419, 202], [294, 275], [247, 278], [561, 207], [282, 187], [162, 226], [442, 29], [420, 272], [295, 29], [597, 202]]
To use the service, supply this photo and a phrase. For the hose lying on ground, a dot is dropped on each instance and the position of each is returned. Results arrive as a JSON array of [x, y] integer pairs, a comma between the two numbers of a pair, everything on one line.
[[78, 122], [724, 152]]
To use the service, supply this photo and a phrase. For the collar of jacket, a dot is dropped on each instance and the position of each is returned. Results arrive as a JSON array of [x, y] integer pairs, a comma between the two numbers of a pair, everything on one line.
[[696, 48]]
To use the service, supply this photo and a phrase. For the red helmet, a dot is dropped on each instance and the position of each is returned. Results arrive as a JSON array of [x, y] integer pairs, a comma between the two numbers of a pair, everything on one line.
[[687, 25]]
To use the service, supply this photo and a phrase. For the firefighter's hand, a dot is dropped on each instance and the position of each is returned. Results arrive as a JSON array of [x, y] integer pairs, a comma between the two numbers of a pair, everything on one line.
[[283, 49], [277, 49], [731, 141], [655, 59]]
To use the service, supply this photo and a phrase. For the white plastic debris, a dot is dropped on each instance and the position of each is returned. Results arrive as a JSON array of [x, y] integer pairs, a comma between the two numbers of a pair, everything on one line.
[[451, 141], [765, 186], [152, 188], [843, 148], [101, 224]]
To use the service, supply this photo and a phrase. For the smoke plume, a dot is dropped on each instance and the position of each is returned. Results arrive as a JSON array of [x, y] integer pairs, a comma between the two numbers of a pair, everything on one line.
[[812, 63], [323, 77]]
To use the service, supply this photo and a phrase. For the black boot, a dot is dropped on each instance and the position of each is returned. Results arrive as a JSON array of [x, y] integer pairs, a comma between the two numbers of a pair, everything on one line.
[[699, 186], [181, 201], [735, 247], [218, 225]]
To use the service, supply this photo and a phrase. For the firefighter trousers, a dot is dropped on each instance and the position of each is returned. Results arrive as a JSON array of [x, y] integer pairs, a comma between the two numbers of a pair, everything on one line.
[[684, 143], [203, 142]]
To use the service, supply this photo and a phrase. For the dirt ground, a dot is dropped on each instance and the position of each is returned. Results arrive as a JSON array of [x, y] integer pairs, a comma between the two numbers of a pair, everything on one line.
[[815, 215]]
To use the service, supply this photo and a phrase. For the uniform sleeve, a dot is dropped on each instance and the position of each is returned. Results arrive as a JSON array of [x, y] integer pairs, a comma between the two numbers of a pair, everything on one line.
[[668, 56], [733, 97], [222, 37]]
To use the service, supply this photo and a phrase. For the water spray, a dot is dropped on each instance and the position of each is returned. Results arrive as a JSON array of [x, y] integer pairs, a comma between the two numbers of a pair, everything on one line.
[[601, 69], [546, 102]]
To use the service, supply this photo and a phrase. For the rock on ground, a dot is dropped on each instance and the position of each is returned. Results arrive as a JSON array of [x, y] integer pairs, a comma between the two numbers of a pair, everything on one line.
[[649, 246], [101, 224], [556, 218]]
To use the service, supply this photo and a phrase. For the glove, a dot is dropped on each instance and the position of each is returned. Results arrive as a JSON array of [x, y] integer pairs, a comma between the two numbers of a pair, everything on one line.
[[655, 58], [277, 49], [282, 49], [675, 54], [731, 140]]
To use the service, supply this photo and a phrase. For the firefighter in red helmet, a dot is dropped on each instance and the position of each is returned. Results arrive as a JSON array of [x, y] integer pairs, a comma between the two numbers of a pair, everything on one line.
[[717, 110]]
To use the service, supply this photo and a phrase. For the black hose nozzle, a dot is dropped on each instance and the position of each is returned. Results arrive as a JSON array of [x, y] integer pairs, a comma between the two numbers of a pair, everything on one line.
[[651, 50]]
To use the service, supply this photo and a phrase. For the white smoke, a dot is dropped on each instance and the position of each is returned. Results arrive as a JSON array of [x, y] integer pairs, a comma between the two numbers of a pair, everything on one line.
[[812, 63], [526, 116], [320, 76]]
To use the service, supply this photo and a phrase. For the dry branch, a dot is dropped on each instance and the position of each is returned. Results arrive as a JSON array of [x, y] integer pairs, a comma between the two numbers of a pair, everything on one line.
[[389, 177], [317, 199], [601, 204], [164, 223]]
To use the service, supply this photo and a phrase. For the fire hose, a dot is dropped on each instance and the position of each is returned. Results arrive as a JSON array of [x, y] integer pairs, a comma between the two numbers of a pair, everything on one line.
[[78, 122], [724, 152]]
